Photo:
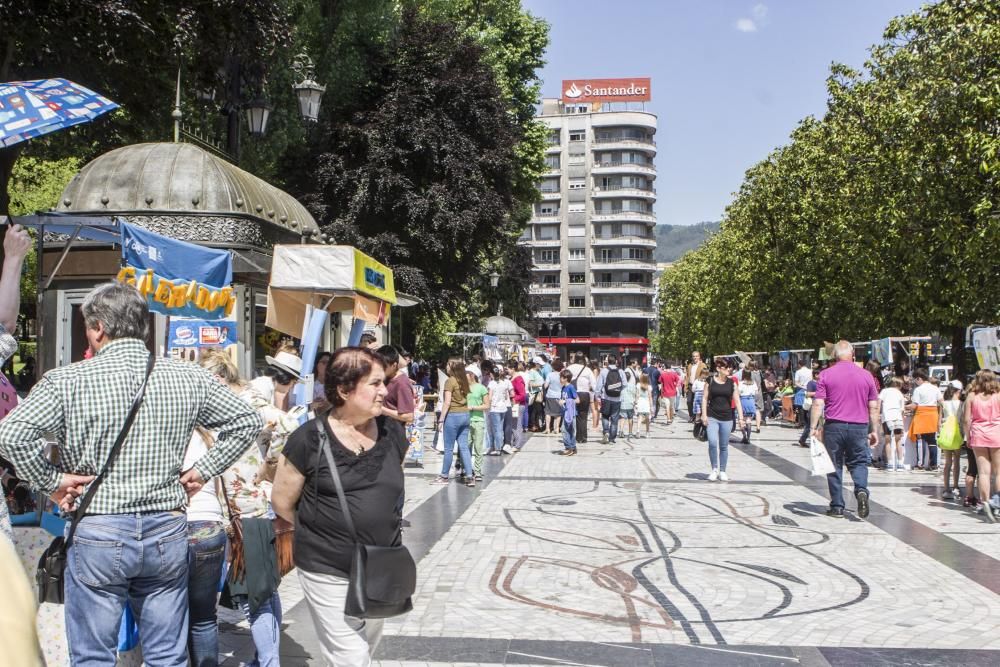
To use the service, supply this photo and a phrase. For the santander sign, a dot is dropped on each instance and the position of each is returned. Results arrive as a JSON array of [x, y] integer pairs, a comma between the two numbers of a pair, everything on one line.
[[606, 90]]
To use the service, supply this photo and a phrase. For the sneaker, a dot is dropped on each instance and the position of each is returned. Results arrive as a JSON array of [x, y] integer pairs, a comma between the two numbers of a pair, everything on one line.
[[723, 477], [470, 482], [604, 439], [970, 502], [987, 511], [493, 452], [714, 475], [948, 495], [568, 452], [835, 512], [440, 481], [478, 478], [507, 449], [863, 504]]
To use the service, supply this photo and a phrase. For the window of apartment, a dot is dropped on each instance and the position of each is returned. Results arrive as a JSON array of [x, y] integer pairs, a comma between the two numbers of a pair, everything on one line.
[[550, 279], [577, 253], [576, 230], [548, 257], [577, 183], [548, 209], [547, 233], [635, 278], [552, 161], [579, 207], [553, 138], [549, 185], [635, 253], [633, 229], [577, 302], [577, 135], [608, 254], [577, 278]]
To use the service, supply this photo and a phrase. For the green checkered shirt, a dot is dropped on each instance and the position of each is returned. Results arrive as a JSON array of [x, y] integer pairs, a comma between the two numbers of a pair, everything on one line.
[[83, 406]]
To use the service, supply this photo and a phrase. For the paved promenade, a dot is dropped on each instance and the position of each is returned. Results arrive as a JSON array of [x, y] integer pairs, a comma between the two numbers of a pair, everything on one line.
[[628, 555]]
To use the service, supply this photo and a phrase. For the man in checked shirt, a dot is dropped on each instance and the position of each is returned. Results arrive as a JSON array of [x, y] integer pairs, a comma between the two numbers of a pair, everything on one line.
[[132, 545]]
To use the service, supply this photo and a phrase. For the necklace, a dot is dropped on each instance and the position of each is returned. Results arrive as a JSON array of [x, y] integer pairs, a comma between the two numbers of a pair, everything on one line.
[[356, 440]]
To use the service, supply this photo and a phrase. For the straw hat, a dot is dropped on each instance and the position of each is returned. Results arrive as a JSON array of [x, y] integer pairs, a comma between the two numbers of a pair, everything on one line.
[[286, 361]]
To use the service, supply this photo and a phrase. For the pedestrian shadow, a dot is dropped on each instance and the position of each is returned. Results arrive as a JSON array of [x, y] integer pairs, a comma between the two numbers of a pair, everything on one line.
[[802, 508], [933, 493], [700, 476]]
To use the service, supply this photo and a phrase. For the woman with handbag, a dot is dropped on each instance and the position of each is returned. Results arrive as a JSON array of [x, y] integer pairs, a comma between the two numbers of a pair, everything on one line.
[[260, 544], [338, 480]]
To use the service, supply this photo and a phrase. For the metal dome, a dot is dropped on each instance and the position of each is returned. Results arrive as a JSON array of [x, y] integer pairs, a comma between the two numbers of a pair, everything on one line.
[[178, 178], [498, 325]]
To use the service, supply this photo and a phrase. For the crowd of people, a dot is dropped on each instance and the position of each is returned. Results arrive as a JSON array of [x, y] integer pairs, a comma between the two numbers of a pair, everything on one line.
[[219, 477]]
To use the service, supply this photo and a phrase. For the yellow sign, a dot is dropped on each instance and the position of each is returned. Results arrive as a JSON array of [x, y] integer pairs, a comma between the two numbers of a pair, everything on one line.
[[373, 278], [178, 297]]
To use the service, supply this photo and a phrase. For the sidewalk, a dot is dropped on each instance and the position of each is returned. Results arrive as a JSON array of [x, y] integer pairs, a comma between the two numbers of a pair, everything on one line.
[[628, 555]]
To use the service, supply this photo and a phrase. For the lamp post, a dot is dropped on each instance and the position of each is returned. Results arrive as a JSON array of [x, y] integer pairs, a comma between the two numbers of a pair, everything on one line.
[[258, 110], [307, 90]]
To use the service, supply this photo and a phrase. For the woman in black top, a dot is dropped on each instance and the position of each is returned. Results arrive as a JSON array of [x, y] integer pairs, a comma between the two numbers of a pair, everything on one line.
[[368, 450], [717, 415]]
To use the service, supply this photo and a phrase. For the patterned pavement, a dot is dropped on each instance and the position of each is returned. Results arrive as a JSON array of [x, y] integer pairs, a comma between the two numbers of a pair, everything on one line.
[[626, 554]]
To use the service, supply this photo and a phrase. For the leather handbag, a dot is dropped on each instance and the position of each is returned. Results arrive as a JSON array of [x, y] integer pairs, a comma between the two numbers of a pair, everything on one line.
[[382, 579], [52, 565]]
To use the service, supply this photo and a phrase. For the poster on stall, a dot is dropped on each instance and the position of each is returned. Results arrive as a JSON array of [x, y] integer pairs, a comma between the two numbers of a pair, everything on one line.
[[987, 348], [187, 337], [491, 348], [882, 351]]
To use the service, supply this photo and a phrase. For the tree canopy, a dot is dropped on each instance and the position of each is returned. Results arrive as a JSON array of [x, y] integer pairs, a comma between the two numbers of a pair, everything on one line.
[[877, 219]]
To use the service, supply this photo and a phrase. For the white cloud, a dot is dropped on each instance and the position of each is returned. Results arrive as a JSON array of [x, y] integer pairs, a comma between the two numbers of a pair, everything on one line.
[[758, 20]]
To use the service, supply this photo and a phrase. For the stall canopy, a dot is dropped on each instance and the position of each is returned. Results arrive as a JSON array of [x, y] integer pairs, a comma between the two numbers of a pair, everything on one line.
[[332, 278]]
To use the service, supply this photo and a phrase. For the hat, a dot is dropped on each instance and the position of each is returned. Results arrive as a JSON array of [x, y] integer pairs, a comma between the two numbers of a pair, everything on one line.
[[538, 360], [474, 369], [956, 384], [287, 362]]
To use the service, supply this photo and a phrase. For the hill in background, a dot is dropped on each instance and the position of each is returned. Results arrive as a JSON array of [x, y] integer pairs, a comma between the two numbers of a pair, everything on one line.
[[672, 241]]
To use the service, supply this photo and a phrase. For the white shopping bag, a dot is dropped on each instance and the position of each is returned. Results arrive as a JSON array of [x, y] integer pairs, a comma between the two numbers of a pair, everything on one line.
[[439, 440], [821, 463]]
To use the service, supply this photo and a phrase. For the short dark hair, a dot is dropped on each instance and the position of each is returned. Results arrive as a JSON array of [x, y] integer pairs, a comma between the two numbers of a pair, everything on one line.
[[279, 375], [580, 358], [389, 354], [612, 359], [921, 374], [367, 338], [566, 375], [348, 367]]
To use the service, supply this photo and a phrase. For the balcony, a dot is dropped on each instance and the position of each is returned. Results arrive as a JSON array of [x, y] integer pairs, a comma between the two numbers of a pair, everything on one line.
[[549, 195], [547, 313], [552, 171], [623, 168], [623, 191], [625, 311], [648, 145], [542, 265], [621, 214], [544, 243], [621, 240], [544, 219], [545, 288], [621, 288], [553, 148], [623, 263]]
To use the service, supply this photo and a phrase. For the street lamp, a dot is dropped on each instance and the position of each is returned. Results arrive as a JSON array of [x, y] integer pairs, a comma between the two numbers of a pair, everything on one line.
[[307, 90], [257, 111], [494, 279]]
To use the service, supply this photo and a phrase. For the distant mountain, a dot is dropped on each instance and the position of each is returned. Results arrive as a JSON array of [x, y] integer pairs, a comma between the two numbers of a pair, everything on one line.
[[672, 241]]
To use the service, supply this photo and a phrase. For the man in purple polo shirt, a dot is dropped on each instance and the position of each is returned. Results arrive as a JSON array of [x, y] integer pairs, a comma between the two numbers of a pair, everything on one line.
[[850, 398]]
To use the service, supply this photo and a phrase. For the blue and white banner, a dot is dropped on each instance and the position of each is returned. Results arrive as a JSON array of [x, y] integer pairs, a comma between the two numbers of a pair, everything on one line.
[[178, 278]]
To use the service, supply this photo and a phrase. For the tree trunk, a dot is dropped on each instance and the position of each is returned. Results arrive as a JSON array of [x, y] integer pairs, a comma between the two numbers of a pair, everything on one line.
[[958, 355]]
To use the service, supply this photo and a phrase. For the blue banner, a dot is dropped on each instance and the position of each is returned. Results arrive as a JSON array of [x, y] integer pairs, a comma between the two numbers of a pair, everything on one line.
[[201, 333], [178, 278]]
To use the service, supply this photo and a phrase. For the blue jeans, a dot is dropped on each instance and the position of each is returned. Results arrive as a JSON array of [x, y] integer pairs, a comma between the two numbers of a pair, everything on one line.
[[609, 423], [847, 445], [494, 425], [718, 442], [456, 429], [206, 554], [265, 628], [569, 433], [135, 559]]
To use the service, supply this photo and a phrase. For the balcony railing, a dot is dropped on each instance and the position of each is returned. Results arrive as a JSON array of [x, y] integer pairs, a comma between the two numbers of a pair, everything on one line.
[[624, 140], [623, 191], [623, 239], [618, 163], [622, 214], [620, 285], [621, 260], [644, 311]]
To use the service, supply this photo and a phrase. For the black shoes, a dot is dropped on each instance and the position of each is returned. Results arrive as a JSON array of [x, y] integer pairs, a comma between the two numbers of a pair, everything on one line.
[[835, 512], [863, 504]]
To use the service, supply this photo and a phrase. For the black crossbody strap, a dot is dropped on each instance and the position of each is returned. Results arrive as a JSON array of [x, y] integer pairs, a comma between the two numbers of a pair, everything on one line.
[[116, 448], [324, 443]]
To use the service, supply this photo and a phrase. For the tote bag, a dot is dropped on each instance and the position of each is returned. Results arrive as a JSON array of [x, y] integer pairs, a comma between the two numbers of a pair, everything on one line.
[[950, 437], [821, 463]]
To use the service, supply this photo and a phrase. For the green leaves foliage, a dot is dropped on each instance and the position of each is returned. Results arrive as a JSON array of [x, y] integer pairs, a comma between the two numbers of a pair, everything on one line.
[[880, 217]]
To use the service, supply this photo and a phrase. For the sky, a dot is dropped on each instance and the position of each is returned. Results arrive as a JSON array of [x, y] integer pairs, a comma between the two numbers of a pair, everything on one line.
[[730, 79]]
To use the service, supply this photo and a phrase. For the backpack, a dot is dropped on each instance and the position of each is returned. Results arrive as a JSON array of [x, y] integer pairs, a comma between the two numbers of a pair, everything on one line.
[[613, 383]]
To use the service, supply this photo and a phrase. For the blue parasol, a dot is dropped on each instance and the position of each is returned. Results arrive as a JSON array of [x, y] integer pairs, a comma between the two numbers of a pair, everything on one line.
[[30, 109]]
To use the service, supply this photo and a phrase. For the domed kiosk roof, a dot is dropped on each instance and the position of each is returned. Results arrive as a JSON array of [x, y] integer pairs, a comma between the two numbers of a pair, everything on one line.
[[179, 178], [498, 325]]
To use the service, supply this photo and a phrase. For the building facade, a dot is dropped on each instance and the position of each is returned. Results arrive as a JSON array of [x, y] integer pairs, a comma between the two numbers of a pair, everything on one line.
[[591, 235]]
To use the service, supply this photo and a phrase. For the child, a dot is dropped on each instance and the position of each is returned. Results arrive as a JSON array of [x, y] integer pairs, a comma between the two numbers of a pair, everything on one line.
[[748, 399], [568, 401], [476, 400], [627, 407], [952, 457], [643, 403], [698, 387], [893, 402]]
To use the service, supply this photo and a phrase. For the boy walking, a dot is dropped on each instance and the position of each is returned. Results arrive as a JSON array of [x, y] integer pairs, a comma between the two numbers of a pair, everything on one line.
[[476, 400], [568, 401]]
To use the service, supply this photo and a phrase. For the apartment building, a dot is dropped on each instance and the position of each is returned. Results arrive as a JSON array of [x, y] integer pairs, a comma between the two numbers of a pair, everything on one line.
[[591, 235]]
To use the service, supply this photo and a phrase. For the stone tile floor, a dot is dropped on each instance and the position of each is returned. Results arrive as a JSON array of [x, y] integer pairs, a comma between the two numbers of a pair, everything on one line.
[[628, 555]]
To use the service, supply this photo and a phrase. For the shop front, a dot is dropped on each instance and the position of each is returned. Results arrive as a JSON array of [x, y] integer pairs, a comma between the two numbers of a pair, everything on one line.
[[598, 348]]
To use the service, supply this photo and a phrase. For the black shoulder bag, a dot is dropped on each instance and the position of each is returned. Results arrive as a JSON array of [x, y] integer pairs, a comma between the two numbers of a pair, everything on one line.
[[382, 579], [52, 564]]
